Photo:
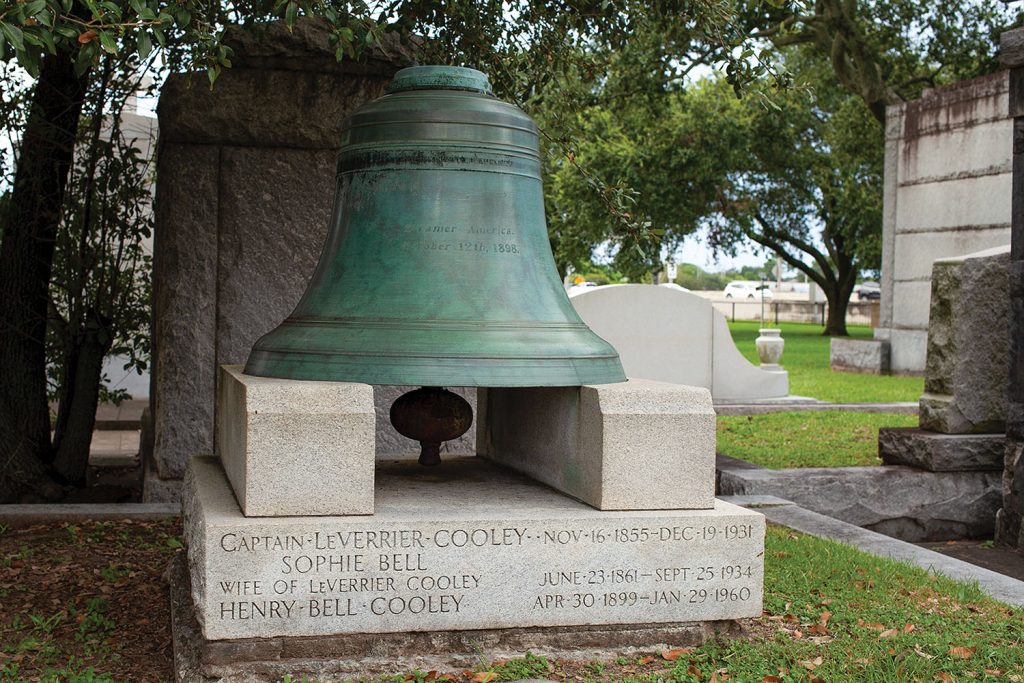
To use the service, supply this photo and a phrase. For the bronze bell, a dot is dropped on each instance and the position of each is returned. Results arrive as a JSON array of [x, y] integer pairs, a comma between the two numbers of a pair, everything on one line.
[[437, 269]]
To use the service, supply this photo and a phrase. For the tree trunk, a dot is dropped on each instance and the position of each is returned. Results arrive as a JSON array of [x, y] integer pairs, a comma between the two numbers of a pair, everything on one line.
[[76, 414], [835, 323], [26, 260], [838, 294]]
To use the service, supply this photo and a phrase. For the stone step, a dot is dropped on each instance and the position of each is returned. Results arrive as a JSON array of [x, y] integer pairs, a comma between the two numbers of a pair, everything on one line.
[[128, 415], [114, 448]]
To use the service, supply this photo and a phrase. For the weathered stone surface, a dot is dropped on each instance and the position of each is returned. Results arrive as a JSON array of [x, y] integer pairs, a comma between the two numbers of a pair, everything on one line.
[[609, 445], [184, 305], [506, 553], [351, 656], [967, 370], [859, 355], [1009, 527], [1011, 48], [907, 503], [293, 447], [293, 107], [306, 47], [937, 452], [263, 263]]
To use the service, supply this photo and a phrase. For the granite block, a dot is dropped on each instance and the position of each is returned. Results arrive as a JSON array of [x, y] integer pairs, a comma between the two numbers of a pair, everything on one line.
[[859, 355], [467, 545], [636, 445], [293, 447]]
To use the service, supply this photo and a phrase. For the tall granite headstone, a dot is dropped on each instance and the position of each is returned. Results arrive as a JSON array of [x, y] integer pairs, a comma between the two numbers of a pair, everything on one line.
[[244, 192], [1009, 529], [962, 412]]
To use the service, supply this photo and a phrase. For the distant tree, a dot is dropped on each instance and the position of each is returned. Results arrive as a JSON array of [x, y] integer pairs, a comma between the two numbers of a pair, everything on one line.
[[888, 51], [694, 277]]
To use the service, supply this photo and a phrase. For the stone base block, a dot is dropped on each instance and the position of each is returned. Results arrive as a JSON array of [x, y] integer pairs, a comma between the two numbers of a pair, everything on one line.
[[353, 656], [636, 445], [903, 502], [859, 355], [944, 413], [465, 546], [937, 452], [291, 447]]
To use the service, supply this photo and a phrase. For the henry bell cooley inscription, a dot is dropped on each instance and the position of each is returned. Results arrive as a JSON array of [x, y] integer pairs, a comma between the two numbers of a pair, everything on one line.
[[326, 577]]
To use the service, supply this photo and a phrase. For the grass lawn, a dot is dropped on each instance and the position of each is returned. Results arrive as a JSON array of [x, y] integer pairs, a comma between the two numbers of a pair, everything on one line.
[[830, 438], [86, 603], [815, 439], [806, 357]]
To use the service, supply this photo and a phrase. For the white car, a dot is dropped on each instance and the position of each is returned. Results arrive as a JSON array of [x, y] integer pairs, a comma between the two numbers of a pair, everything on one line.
[[747, 289]]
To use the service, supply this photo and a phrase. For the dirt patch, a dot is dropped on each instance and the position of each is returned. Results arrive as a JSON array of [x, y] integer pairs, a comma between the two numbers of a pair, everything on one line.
[[89, 595], [1001, 559]]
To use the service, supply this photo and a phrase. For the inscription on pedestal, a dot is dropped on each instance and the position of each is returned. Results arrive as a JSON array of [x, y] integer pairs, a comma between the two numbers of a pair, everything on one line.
[[304, 576]]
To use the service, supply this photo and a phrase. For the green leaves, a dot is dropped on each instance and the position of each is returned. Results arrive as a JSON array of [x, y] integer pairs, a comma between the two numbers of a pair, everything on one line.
[[13, 35]]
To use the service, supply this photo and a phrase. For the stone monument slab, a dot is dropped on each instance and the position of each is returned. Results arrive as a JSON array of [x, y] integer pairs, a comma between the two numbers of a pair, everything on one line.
[[938, 452], [296, 448], [967, 370], [859, 355], [636, 445], [468, 545]]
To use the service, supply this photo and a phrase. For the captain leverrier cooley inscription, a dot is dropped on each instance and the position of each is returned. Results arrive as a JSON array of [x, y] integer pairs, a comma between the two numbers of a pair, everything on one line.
[[565, 573]]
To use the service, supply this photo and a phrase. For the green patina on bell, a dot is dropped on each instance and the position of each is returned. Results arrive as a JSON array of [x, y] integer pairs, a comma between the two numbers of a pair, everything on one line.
[[437, 270]]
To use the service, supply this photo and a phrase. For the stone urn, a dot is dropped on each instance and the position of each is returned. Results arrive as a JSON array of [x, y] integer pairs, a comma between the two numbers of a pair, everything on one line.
[[769, 347]]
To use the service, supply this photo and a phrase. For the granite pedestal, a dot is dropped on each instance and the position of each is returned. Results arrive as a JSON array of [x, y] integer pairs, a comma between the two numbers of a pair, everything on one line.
[[471, 558]]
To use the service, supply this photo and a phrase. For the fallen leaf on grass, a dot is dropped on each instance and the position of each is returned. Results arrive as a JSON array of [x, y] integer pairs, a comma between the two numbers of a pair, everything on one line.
[[908, 628], [673, 655], [993, 672], [889, 633], [811, 664], [484, 677], [645, 660], [943, 676], [873, 625], [962, 652], [922, 654], [823, 619], [770, 679]]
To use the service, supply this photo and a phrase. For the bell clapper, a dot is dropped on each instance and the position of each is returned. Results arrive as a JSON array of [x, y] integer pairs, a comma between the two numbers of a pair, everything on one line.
[[431, 415]]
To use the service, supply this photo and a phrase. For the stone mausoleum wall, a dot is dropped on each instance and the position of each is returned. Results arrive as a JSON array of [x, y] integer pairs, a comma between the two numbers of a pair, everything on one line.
[[948, 172], [245, 186]]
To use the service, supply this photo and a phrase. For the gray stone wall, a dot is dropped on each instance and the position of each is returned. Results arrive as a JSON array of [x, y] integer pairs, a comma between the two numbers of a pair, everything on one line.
[[245, 185], [947, 193]]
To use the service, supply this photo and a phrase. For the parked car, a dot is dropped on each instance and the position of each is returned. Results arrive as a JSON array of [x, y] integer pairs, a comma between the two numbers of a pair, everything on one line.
[[747, 289], [868, 291], [581, 287]]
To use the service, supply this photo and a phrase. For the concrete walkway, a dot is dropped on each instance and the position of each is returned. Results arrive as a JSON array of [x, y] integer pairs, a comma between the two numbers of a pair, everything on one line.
[[785, 513], [798, 403]]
